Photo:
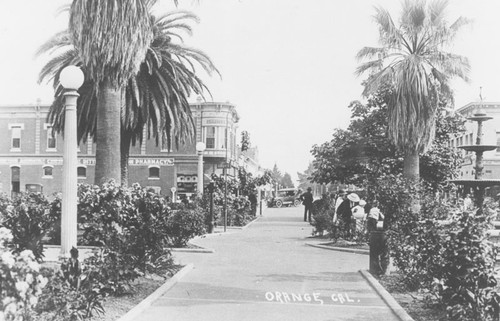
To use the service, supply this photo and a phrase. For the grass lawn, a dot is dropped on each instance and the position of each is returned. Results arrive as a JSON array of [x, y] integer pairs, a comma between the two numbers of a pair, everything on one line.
[[412, 302], [115, 307]]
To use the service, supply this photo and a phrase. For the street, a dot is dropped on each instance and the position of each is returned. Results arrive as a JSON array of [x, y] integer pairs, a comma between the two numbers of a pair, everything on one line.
[[266, 272]]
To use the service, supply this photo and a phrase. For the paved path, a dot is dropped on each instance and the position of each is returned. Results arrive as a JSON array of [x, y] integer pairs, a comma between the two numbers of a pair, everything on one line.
[[266, 272]]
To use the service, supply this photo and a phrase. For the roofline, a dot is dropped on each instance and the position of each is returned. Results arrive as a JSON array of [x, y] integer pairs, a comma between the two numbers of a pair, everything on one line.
[[477, 104]]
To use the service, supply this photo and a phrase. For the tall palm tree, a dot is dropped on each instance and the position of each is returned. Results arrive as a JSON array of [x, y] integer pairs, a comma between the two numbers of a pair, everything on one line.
[[156, 97], [111, 38], [412, 60]]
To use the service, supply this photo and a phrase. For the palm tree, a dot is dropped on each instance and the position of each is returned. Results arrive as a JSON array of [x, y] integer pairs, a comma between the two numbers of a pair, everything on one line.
[[111, 38], [156, 97], [412, 61]]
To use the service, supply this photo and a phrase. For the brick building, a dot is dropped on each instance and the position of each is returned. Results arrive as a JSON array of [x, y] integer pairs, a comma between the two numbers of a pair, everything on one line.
[[31, 159]]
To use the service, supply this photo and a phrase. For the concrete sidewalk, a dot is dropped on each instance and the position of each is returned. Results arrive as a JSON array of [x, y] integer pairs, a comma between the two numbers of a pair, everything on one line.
[[266, 272]]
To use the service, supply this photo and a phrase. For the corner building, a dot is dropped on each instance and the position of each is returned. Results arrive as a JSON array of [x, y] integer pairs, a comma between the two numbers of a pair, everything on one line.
[[31, 158]]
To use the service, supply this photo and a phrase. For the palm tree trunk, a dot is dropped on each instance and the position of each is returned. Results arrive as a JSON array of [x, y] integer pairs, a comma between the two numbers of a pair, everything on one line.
[[126, 138], [411, 171], [108, 135], [411, 166]]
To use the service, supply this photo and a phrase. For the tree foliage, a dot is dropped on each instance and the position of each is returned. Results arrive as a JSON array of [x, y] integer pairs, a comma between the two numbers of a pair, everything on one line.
[[305, 177], [413, 60], [286, 181], [363, 152]]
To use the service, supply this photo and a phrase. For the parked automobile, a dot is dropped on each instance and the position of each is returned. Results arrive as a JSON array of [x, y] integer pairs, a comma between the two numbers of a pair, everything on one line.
[[287, 197]]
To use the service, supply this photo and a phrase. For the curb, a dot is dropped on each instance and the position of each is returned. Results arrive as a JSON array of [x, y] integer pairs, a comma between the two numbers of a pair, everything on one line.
[[255, 220], [340, 249], [187, 250], [387, 297], [144, 304]]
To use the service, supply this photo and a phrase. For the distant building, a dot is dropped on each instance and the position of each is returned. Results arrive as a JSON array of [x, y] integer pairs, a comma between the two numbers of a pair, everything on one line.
[[491, 136], [31, 158]]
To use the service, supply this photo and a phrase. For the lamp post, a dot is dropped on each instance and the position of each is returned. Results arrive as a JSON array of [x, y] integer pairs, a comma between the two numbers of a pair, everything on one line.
[[71, 79], [200, 148]]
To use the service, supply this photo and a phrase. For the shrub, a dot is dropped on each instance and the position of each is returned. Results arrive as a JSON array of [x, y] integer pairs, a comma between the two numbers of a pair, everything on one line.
[[184, 224], [29, 219], [115, 270], [322, 214], [466, 281], [72, 293], [20, 281]]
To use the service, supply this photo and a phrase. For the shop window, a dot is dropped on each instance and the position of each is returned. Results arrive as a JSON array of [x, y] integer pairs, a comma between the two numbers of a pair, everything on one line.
[[81, 172], [48, 171], [154, 172]]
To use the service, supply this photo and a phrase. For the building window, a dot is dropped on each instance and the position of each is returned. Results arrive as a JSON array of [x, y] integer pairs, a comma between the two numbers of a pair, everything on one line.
[[16, 179], [16, 138], [51, 138], [210, 138], [154, 172], [81, 172], [48, 171]]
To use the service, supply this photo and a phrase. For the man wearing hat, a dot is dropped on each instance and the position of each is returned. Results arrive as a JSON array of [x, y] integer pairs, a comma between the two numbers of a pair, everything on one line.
[[307, 200], [340, 198], [344, 213]]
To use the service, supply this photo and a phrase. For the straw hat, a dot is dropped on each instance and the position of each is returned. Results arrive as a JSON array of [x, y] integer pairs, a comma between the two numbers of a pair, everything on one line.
[[353, 197]]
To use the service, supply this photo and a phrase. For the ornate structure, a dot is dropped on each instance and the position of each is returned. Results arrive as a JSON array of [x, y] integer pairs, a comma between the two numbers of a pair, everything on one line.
[[479, 183]]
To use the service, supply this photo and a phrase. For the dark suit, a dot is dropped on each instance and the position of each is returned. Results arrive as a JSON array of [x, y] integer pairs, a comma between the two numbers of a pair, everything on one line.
[[307, 200], [344, 213]]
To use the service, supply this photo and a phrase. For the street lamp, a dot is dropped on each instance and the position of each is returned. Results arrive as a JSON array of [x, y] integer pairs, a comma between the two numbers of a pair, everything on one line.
[[71, 78], [200, 148]]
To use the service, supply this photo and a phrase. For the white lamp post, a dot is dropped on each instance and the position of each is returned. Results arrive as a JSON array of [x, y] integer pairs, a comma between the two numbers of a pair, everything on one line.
[[71, 79], [200, 148]]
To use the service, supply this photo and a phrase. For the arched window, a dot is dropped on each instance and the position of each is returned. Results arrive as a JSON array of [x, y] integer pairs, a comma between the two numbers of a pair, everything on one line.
[[48, 171], [81, 172], [154, 172]]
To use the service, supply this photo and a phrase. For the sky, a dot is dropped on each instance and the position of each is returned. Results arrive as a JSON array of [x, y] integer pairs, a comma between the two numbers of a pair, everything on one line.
[[287, 65]]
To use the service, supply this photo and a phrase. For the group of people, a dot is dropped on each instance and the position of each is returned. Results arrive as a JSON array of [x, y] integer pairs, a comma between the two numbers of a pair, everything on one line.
[[351, 215]]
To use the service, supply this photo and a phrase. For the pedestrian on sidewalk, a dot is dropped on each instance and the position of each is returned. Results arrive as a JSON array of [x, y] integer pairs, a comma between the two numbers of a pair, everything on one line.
[[307, 200], [359, 215], [344, 213], [374, 216]]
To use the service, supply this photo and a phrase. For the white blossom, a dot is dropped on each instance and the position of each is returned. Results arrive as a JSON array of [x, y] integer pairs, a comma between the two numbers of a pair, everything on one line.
[[8, 259], [29, 278], [22, 287], [42, 281], [35, 266], [27, 254]]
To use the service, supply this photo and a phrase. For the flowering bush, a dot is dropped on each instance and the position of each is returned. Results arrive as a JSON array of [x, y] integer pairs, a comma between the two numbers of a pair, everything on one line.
[[29, 219], [322, 214], [20, 281], [441, 249], [71, 294], [184, 224]]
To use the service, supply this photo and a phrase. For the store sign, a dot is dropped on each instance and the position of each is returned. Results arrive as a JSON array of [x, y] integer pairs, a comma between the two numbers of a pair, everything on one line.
[[151, 161], [58, 161], [214, 122]]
